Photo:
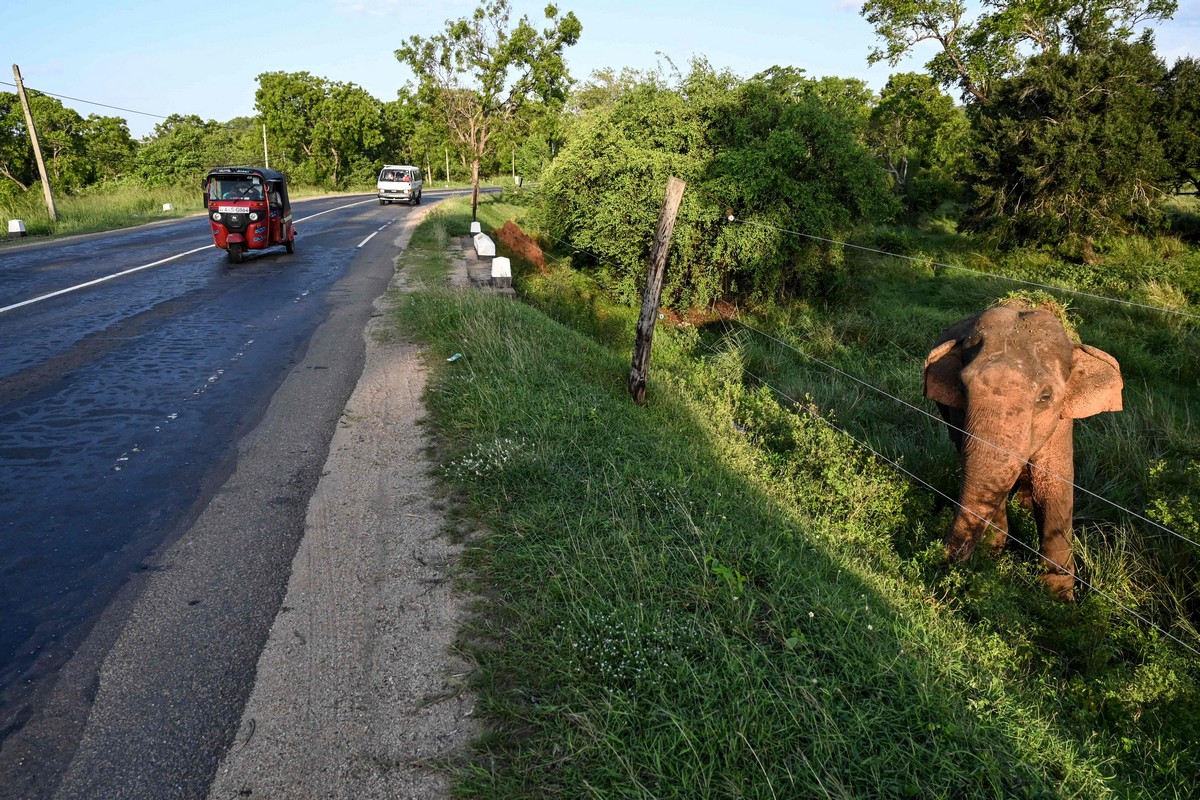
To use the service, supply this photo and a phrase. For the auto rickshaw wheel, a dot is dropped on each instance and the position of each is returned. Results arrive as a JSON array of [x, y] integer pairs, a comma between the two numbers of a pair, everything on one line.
[[290, 246], [235, 253]]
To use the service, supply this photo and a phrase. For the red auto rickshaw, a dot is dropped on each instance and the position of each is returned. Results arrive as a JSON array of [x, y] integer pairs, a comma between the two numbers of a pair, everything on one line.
[[248, 209]]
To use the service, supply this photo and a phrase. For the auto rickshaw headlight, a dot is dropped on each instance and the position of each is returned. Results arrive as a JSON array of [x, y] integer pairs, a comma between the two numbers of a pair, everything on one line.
[[253, 216], [216, 216]]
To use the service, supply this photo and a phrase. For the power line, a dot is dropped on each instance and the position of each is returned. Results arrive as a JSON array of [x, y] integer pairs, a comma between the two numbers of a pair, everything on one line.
[[89, 102]]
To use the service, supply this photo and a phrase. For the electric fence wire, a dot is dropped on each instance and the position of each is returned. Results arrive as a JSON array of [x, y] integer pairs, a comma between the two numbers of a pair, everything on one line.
[[998, 448], [731, 218], [1049, 473], [897, 466], [89, 102], [872, 387]]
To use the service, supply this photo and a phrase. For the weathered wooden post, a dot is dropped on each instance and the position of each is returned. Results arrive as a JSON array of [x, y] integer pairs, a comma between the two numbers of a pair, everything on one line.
[[37, 148], [654, 282]]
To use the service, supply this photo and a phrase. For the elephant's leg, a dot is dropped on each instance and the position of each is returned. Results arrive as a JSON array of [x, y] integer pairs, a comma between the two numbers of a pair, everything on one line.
[[1053, 492], [997, 533]]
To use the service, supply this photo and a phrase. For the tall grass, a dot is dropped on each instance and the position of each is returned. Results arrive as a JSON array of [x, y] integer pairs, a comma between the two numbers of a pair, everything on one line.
[[104, 208], [719, 596]]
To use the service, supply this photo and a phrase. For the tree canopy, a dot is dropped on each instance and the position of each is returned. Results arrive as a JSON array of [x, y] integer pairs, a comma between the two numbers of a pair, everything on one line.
[[479, 72], [767, 149], [976, 51]]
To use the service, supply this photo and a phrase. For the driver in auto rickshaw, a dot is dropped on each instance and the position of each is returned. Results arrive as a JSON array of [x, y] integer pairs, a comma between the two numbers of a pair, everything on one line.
[[243, 190]]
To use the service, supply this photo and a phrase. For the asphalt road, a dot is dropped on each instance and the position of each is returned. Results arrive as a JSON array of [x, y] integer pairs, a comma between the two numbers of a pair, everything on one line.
[[161, 433]]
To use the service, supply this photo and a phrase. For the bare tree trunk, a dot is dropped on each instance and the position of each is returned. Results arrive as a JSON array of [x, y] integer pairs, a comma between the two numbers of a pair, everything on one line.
[[474, 188]]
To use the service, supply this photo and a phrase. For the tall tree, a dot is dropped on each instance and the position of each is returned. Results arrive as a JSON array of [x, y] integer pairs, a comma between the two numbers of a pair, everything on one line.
[[920, 137], [483, 72], [1179, 116], [328, 129], [977, 51], [1069, 149]]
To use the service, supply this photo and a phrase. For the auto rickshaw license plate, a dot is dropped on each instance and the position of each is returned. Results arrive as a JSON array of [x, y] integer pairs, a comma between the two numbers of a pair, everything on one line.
[[234, 209]]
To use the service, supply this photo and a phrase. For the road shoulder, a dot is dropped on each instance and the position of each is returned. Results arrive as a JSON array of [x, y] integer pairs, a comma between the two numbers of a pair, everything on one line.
[[358, 693]]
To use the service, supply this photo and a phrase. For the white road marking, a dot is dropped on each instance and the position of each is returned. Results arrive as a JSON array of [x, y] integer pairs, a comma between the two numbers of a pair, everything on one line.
[[160, 262], [70, 289]]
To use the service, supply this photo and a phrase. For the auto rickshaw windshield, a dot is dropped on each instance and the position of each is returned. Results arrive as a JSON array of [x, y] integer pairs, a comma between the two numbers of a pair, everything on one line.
[[235, 188]]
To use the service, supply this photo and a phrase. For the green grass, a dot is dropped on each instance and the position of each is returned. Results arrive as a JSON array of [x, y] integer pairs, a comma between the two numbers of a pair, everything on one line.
[[717, 596]]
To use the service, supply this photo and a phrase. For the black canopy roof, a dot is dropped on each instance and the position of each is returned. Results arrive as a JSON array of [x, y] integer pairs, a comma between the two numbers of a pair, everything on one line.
[[265, 174]]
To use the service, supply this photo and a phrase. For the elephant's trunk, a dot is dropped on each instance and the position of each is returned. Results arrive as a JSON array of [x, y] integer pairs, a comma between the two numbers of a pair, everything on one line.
[[991, 463]]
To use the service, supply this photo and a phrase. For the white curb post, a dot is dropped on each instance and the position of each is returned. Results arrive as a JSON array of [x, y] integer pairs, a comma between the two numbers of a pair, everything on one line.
[[501, 273], [484, 246], [16, 227]]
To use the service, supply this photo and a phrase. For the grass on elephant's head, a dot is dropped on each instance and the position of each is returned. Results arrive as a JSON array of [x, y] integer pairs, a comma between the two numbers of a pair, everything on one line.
[[717, 596]]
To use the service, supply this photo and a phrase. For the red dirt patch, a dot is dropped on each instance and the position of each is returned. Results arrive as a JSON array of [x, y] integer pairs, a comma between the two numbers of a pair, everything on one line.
[[521, 244]]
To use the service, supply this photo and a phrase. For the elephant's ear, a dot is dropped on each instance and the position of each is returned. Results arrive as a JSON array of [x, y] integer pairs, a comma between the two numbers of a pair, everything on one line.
[[1095, 384], [942, 368]]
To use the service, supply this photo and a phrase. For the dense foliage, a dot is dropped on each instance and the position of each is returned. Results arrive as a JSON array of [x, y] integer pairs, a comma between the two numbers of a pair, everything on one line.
[[770, 151], [1069, 150], [481, 72]]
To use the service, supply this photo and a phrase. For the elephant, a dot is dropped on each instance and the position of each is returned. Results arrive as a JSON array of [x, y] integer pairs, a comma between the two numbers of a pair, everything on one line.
[[1009, 382]]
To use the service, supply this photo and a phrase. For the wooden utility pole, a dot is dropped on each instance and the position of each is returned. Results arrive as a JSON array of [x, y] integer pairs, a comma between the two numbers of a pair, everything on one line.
[[37, 148], [447, 169], [266, 155], [653, 293]]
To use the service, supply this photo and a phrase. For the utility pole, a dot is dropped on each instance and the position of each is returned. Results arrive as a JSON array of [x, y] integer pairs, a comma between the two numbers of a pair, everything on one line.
[[37, 148], [266, 156], [654, 282], [447, 169]]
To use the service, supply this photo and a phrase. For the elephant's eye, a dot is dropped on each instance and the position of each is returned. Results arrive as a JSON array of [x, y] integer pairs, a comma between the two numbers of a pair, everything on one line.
[[1045, 397]]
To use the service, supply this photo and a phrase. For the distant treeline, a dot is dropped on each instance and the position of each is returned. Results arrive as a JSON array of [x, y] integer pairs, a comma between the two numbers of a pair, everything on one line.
[[1069, 128]]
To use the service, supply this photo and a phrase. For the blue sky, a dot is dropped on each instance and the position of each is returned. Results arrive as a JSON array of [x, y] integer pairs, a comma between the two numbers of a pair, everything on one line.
[[202, 58]]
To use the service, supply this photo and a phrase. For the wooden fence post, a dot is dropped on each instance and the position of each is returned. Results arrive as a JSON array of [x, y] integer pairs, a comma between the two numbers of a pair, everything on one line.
[[653, 293]]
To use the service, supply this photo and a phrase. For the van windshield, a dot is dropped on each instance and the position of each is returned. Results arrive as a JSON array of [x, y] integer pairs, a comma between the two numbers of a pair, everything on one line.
[[395, 175]]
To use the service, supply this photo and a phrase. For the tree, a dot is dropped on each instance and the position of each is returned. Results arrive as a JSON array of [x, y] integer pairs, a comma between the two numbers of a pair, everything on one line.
[[1068, 150], [16, 156], [770, 149], [483, 73], [326, 128], [109, 147], [1179, 115], [975, 53], [181, 149], [920, 137]]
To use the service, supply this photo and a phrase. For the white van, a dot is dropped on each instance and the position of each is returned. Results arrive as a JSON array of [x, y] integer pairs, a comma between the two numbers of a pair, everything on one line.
[[399, 182]]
